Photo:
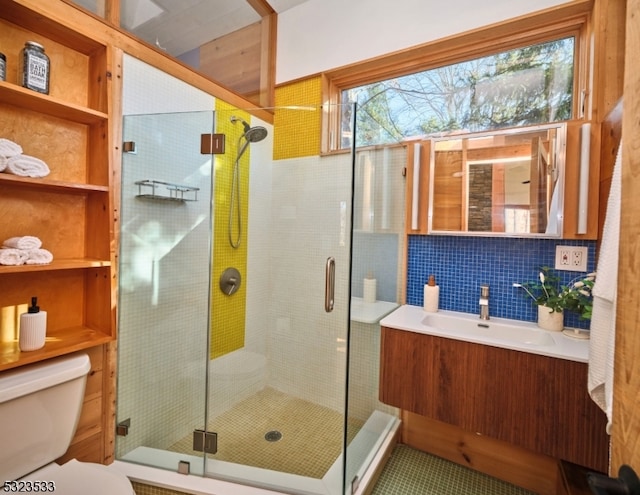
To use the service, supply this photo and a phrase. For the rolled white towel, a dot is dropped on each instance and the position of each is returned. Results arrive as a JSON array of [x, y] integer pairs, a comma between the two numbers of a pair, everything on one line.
[[3, 163], [39, 257], [8, 148], [27, 166], [10, 256], [24, 242]]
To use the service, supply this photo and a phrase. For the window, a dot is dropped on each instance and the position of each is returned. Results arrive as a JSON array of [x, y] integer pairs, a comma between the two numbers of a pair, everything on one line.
[[534, 76]]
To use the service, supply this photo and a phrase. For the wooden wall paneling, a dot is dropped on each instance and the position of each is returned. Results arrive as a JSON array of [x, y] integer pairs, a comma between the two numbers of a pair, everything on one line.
[[611, 134], [87, 444], [234, 59], [114, 60], [496, 458], [109, 397], [111, 11], [262, 7], [626, 414], [608, 27], [268, 40]]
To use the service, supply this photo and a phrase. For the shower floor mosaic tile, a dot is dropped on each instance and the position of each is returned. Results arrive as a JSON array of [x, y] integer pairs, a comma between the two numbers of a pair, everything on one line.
[[411, 472], [311, 435]]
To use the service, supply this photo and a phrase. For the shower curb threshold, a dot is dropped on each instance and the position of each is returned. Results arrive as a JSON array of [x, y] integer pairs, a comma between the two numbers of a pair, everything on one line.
[[136, 465]]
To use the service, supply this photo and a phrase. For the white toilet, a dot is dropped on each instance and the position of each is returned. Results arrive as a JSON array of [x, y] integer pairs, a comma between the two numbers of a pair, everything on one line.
[[40, 406]]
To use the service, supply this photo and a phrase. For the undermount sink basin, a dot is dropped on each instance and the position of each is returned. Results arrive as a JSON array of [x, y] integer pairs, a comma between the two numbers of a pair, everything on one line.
[[503, 330]]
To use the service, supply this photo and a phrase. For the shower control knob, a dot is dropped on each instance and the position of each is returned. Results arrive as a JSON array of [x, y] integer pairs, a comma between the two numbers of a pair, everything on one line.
[[230, 281]]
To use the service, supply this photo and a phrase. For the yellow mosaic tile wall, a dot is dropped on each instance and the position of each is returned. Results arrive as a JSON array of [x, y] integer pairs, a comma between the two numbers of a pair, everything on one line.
[[228, 312], [297, 131], [298, 134]]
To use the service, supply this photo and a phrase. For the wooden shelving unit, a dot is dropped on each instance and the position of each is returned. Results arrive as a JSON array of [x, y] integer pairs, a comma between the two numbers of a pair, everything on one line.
[[72, 209]]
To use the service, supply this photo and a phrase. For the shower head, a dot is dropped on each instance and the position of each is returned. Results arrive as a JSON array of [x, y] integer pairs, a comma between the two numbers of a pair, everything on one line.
[[255, 134], [251, 134]]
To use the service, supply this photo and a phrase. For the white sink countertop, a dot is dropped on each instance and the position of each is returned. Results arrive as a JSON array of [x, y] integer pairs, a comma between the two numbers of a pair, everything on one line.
[[516, 335], [370, 312]]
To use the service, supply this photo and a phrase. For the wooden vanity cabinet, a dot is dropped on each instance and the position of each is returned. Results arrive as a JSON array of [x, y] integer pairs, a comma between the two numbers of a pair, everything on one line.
[[532, 401]]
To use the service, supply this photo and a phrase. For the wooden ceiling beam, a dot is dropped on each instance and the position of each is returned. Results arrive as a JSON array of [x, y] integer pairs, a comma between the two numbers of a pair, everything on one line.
[[262, 7]]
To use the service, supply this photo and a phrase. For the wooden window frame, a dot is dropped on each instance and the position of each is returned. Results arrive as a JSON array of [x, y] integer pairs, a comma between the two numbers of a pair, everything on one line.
[[570, 19]]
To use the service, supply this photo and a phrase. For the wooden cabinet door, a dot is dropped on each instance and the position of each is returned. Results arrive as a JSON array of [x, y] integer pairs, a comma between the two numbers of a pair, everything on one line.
[[536, 402]]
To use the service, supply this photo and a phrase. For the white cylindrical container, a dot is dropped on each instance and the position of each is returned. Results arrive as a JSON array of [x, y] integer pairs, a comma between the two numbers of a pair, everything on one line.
[[370, 288], [431, 295], [33, 327], [549, 320]]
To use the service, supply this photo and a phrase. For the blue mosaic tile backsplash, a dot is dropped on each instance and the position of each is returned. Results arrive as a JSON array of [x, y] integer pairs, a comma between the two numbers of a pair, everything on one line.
[[461, 264]]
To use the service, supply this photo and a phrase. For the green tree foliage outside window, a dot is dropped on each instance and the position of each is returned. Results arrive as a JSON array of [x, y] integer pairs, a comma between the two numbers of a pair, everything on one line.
[[525, 86]]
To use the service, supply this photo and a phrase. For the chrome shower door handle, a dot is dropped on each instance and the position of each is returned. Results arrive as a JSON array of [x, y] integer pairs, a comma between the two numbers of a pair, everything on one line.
[[329, 284]]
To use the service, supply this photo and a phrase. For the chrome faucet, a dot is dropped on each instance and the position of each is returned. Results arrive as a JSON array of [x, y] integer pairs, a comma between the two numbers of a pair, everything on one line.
[[484, 302]]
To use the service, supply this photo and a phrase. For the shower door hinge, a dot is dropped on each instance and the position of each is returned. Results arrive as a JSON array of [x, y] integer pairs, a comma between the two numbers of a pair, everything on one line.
[[212, 144], [129, 147], [122, 428], [355, 484], [205, 441]]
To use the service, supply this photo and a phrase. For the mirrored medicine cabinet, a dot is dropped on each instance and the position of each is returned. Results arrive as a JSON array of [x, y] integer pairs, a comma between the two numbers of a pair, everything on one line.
[[506, 182]]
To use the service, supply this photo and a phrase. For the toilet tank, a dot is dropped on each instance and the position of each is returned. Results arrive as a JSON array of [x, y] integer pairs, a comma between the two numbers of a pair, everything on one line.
[[40, 406]]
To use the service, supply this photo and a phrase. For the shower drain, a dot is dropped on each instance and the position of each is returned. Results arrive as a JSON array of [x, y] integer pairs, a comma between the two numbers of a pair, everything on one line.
[[273, 436]]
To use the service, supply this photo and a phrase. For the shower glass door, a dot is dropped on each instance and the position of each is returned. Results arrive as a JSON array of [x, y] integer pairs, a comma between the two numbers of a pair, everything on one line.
[[278, 372], [236, 320], [165, 253]]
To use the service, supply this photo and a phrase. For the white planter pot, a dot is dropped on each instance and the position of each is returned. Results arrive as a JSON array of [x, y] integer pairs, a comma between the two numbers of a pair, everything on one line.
[[548, 320]]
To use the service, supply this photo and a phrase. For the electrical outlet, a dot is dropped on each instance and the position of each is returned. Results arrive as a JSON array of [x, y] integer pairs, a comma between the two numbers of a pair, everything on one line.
[[579, 258], [572, 258]]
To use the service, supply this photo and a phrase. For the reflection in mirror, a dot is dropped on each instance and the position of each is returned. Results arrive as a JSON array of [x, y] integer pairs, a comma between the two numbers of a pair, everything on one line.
[[506, 182]]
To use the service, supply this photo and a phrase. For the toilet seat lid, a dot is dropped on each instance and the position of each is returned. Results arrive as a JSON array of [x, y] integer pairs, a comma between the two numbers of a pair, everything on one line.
[[80, 478]]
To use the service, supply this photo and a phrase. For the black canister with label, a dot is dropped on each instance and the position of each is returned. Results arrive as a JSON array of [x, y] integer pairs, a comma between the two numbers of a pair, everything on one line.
[[3, 67], [33, 70]]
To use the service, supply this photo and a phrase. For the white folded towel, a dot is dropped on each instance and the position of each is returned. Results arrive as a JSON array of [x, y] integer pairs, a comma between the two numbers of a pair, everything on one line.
[[27, 166], [39, 257], [3, 163], [8, 148], [24, 242], [10, 256]]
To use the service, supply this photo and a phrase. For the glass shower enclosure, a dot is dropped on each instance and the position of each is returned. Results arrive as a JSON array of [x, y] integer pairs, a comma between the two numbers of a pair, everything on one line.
[[238, 292]]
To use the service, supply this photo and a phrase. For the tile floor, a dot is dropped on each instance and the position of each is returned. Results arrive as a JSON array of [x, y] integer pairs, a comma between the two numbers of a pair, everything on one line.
[[412, 472]]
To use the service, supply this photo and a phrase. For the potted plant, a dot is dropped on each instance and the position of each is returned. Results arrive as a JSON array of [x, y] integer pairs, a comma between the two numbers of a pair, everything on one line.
[[578, 296], [553, 299]]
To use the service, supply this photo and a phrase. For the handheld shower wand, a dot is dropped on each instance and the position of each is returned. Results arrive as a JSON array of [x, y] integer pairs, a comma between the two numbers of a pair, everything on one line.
[[250, 135]]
